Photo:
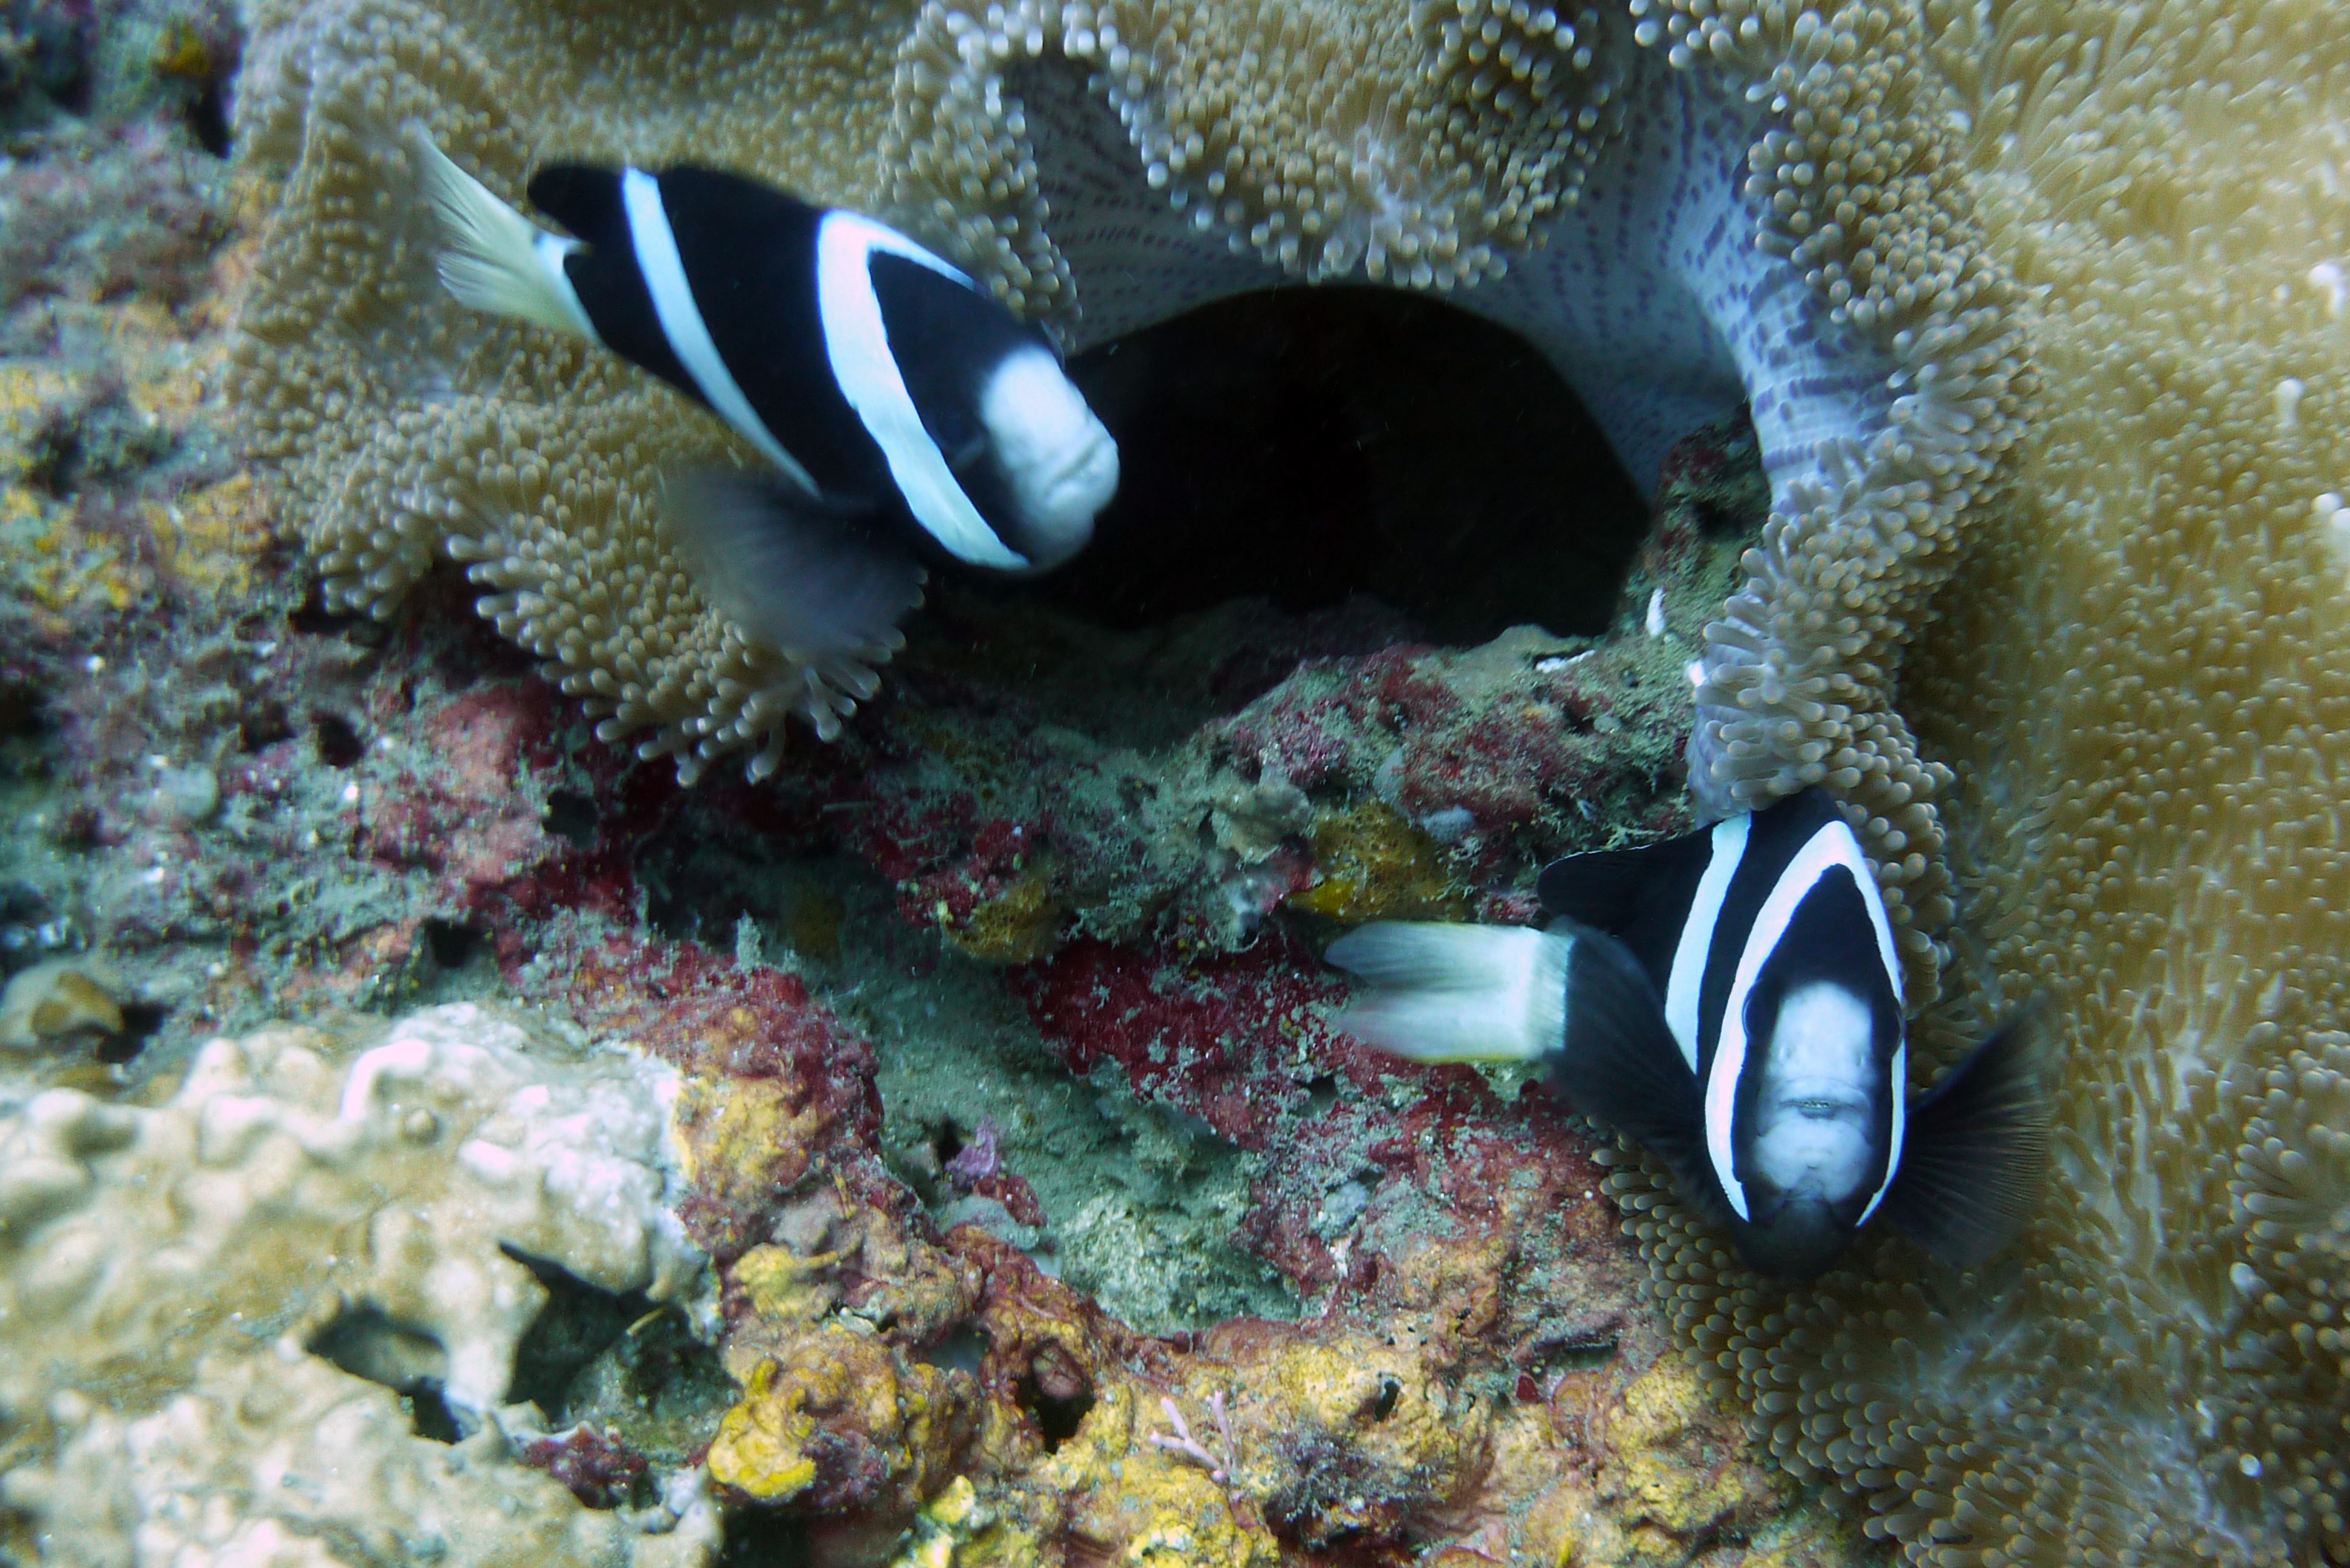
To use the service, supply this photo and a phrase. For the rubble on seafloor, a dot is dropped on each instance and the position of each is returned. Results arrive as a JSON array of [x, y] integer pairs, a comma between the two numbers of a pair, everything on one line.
[[1028, 1209]]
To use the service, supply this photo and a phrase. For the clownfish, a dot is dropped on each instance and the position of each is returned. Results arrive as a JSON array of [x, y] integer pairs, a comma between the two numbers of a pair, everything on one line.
[[907, 416], [1732, 1000]]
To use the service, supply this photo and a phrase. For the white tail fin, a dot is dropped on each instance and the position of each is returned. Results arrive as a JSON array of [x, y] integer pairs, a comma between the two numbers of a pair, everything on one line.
[[496, 260], [1457, 994]]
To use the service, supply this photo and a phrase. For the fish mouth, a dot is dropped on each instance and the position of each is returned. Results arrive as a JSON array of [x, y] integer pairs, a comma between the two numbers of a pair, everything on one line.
[[1084, 480], [1059, 505]]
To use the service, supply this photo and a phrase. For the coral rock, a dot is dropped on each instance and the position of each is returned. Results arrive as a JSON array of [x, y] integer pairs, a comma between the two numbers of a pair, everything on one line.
[[296, 1193], [56, 1003]]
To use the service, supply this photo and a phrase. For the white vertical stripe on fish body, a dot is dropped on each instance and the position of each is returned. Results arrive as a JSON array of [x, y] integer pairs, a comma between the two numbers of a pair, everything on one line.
[[866, 373], [681, 321], [1899, 1087], [1687, 980]]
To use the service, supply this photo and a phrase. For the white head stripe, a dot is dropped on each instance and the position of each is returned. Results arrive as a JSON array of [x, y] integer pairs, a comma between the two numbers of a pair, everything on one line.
[[1832, 845], [1900, 1085], [867, 375], [682, 324], [1688, 979]]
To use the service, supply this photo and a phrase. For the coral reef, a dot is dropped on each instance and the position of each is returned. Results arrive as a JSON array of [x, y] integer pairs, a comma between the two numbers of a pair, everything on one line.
[[112, 62], [179, 1279], [56, 1003], [888, 1147], [1409, 778], [1595, 174], [891, 1147], [1011, 1125]]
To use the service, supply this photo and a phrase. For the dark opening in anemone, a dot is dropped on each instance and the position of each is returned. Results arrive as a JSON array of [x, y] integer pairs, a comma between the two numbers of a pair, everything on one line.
[[1307, 444]]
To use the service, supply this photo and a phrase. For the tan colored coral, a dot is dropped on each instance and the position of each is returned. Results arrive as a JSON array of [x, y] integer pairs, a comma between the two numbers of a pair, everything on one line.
[[1419, 143], [405, 428], [1860, 194], [58, 1002], [2139, 680], [163, 1271], [277, 1460]]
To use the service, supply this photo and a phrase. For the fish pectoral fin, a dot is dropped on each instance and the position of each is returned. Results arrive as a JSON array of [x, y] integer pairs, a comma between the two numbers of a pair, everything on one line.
[[1621, 1066], [1453, 992], [1976, 1148], [814, 580]]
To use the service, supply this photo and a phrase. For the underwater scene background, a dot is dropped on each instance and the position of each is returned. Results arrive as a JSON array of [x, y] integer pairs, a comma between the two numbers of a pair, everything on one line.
[[481, 1081]]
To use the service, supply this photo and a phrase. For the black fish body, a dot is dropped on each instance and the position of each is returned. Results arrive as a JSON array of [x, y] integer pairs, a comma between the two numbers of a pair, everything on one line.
[[1732, 1000], [908, 417]]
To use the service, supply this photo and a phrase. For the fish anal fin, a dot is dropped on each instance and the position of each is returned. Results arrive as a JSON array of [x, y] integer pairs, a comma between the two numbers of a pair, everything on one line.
[[1620, 1064], [817, 582], [1977, 1148]]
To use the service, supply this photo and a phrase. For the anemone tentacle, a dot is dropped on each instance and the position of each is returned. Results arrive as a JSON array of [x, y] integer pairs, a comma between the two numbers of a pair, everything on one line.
[[1647, 215], [2134, 673]]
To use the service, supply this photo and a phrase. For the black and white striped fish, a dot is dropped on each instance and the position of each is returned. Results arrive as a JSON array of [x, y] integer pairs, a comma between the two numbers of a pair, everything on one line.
[[907, 416], [1732, 1000]]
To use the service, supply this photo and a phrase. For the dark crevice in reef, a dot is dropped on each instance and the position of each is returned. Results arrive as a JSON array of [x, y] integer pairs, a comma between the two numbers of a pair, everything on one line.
[[142, 1022], [755, 1540], [262, 723], [339, 745], [207, 116], [451, 945], [1306, 445], [311, 618], [24, 707], [367, 1342], [578, 1324], [570, 815], [1058, 1415], [590, 1357], [428, 1413], [618, 1363]]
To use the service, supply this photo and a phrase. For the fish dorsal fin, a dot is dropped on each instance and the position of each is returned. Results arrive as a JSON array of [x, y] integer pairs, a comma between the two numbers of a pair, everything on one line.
[[1598, 889], [1976, 1148], [1611, 889], [1620, 1064]]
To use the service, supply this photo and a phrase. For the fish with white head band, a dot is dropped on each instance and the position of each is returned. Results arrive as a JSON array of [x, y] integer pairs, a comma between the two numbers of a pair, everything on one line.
[[1731, 998], [906, 417]]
